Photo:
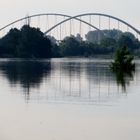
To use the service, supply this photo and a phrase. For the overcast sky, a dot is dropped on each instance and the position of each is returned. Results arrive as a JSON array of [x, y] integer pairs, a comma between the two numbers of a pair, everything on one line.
[[129, 10]]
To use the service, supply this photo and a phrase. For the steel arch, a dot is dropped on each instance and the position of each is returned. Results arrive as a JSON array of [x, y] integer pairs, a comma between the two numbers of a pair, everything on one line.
[[95, 14], [48, 14]]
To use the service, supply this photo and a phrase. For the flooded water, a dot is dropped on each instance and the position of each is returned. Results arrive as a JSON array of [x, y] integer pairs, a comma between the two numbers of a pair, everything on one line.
[[68, 99]]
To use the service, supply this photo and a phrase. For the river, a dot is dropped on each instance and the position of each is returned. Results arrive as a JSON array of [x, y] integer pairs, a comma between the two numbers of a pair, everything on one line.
[[68, 99]]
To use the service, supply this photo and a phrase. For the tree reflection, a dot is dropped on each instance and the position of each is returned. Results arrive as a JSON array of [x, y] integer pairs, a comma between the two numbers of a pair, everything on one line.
[[26, 73], [89, 81], [123, 78]]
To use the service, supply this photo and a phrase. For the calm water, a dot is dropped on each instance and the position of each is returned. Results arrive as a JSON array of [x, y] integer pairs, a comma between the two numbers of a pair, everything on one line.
[[68, 99]]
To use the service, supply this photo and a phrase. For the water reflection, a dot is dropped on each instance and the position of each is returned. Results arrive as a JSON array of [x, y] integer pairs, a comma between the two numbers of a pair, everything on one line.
[[123, 78], [28, 74], [60, 80]]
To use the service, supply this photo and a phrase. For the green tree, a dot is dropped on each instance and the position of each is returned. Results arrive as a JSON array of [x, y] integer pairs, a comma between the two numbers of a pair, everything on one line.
[[70, 46], [123, 60], [9, 43], [28, 42]]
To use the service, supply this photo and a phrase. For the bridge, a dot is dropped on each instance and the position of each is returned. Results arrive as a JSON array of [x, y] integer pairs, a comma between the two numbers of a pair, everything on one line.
[[61, 25]]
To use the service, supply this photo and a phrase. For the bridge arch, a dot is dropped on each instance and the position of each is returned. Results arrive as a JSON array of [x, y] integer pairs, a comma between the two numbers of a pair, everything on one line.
[[94, 14], [49, 14]]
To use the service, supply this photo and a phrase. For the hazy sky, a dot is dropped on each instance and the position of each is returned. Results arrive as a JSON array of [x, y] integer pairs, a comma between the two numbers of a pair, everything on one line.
[[125, 9]]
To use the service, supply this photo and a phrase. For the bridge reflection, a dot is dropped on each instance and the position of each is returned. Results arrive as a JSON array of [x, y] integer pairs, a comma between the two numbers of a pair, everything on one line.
[[83, 81]]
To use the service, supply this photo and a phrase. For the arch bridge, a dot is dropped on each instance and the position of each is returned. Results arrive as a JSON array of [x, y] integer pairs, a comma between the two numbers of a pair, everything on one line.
[[62, 25]]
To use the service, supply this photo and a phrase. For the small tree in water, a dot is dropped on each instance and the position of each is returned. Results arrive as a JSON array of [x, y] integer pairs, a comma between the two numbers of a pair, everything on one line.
[[123, 66], [123, 60]]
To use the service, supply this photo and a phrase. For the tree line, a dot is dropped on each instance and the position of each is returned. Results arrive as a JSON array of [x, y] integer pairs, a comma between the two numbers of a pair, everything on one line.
[[30, 42]]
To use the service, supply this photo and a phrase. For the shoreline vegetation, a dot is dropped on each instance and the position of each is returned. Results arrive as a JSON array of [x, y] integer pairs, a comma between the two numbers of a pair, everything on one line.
[[30, 42]]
